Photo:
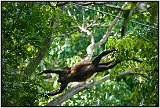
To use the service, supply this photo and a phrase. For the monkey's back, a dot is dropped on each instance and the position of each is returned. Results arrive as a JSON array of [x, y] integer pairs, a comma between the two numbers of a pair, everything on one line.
[[81, 72]]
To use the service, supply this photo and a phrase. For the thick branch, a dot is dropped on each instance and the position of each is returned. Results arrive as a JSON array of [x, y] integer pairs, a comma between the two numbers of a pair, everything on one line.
[[80, 87], [43, 49], [103, 40], [39, 56]]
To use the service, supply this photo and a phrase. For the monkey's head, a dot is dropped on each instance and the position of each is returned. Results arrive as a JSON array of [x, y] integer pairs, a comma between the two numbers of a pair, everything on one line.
[[67, 69], [64, 74]]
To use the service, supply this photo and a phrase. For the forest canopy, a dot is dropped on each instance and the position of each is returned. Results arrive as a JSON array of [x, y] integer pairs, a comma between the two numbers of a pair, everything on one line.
[[52, 35]]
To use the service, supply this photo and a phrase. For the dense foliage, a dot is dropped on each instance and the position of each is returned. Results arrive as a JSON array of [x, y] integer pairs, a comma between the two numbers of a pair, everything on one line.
[[31, 42]]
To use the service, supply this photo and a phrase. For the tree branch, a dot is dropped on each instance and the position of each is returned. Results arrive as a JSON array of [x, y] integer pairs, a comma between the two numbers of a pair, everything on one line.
[[59, 4], [80, 87], [41, 52], [39, 56], [103, 40], [98, 3], [88, 33]]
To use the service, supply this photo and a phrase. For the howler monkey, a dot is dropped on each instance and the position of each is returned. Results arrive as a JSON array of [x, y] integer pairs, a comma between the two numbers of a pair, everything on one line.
[[81, 72]]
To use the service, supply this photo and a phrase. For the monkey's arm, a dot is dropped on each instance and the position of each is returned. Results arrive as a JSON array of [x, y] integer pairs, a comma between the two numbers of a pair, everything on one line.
[[107, 63], [62, 87]]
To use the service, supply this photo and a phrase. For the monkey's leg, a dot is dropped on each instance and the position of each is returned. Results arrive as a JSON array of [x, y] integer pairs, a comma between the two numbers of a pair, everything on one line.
[[106, 66], [96, 61], [50, 71], [62, 87], [107, 63]]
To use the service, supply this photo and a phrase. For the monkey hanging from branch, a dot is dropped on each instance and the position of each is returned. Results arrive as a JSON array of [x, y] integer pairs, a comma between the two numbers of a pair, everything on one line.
[[82, 71]]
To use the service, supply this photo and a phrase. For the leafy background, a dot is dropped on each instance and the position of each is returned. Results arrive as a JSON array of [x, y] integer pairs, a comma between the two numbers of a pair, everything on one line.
[[27, 32]]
